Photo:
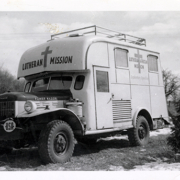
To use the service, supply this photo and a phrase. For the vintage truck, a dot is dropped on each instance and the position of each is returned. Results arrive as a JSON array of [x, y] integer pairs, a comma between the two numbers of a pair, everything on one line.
[[85, 84]]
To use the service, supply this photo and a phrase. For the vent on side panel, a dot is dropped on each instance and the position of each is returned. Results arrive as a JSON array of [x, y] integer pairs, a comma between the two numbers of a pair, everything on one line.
[[121, 109]]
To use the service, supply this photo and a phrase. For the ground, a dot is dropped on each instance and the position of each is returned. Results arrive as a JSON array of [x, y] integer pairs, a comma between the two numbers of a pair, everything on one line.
[[108, 154]]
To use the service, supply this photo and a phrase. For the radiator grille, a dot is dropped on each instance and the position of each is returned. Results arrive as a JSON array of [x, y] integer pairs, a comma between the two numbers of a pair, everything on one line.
[[7, 109], [121, 109]]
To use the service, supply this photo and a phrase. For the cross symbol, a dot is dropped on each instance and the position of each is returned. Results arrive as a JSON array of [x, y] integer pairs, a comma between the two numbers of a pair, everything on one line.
[[45, 53], [138, 56]]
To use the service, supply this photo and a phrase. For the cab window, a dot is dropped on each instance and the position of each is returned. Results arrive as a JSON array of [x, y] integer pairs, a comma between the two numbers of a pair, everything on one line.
[[27, 86], [79, 82]]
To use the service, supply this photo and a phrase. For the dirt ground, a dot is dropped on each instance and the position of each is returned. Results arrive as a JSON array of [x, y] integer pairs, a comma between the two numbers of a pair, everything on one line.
[[109, 154]]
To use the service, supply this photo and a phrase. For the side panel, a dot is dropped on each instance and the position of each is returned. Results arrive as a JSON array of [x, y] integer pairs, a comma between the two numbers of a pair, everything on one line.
[[98, 55], [140, 98], [158, 102], [120, 88], [154, 79], [122, 76], [86, 95], [112, 63], [121, 91], [139, 77], [138, 66], [135, 85]]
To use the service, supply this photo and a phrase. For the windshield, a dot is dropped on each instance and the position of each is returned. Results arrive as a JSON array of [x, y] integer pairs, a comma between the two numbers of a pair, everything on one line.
[[40, 85], [53, 83], [62, 82]]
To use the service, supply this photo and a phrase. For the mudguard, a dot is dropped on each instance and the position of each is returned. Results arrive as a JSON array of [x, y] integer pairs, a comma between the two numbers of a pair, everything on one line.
[[71, 118], [144, 112]]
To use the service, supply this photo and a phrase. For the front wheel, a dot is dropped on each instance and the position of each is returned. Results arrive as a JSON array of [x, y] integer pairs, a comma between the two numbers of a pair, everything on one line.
[[139, 136], [56, 142]]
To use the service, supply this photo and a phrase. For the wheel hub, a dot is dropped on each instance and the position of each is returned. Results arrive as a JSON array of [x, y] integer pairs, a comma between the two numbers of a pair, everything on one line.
[[60, 144], [141, 132]]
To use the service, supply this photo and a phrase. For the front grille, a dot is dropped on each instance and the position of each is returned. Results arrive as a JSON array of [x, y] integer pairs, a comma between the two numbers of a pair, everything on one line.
[[7, 109]]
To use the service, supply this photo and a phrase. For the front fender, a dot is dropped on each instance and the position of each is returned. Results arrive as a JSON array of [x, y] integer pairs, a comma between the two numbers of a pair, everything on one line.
[[60, 113], [37, 112]]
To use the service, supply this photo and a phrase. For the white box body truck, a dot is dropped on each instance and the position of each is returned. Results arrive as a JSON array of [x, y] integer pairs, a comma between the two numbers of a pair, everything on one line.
[[86, 86]]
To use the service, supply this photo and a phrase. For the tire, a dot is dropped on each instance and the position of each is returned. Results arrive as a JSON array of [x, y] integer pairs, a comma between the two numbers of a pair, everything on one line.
[[139, 136], [56, 142]]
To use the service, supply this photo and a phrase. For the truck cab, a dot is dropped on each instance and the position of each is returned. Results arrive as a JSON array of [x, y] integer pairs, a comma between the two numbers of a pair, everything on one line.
[[84, 85]]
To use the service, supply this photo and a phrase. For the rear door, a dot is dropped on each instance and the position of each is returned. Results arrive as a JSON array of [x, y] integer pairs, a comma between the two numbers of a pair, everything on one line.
[[103, 98]]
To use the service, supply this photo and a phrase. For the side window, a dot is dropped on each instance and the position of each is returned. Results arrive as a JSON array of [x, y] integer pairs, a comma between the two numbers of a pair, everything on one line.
[[79, 82], [26, 89], [102, 81], [153, 63], [121, 57]]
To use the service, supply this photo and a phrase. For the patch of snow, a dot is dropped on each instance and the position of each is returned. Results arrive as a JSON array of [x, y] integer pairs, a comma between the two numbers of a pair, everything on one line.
[[142, 150], [160, 131], [158, 166], [3, 169], [114, 137], [153, 166], [116, 168]]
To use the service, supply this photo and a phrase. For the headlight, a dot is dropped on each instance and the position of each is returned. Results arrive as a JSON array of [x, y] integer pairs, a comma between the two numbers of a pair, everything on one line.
[[30, 106]]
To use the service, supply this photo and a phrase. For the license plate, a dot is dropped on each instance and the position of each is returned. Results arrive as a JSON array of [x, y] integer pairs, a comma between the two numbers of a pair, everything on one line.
[[9, 126]]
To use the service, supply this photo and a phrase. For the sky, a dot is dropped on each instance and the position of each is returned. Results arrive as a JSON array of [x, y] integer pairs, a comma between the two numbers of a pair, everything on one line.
[[22, 30]]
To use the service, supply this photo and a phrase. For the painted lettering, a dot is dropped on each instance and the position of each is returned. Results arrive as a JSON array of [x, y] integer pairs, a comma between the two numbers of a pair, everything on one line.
[[61, 60], [137, 66], [32, 64], [45, 98], [136, 60]]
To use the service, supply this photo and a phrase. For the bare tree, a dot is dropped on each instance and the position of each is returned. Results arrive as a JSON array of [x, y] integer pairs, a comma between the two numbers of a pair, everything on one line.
[[171, 84], [8, 82]]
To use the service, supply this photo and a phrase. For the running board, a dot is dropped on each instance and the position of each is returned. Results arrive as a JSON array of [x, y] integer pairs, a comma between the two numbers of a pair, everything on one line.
[[107, 130]]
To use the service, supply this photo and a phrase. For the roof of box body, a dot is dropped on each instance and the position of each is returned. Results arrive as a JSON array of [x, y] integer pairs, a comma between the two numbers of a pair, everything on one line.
[[61, 54]]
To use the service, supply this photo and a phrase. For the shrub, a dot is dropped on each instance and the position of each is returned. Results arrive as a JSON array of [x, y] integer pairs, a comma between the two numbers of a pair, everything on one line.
[[9, 83], [174, 139]]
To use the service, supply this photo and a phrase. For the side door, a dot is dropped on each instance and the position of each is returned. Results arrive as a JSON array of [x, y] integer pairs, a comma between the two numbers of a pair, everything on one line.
[[103, 98]]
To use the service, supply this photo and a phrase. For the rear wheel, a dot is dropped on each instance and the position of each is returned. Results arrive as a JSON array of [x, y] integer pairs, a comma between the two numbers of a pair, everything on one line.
[[56, 142], [139, 136]]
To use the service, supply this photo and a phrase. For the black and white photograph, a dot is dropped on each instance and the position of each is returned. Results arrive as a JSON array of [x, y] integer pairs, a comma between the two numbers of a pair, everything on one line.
[[89, 90]]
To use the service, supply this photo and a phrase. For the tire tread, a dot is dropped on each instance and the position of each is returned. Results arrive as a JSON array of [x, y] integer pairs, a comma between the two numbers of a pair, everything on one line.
[[132, 133], [45, 138]]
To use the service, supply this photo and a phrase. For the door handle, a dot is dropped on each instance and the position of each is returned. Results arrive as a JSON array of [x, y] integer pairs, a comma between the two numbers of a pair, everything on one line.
[[112, 96]]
